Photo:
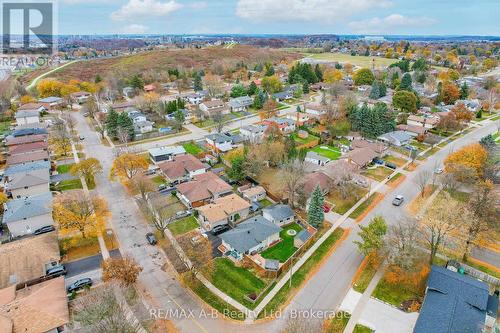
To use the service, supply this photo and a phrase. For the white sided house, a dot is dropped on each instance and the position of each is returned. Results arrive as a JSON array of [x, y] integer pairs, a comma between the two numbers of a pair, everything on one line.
[[167, 153], [24, 216], [279, 214], [26, 117]]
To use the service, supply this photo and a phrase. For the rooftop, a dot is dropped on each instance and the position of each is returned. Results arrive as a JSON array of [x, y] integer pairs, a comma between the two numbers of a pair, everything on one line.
[[223, 207], [167, 150], [279, 211], [203, 187], [20, 209], [180, 166]]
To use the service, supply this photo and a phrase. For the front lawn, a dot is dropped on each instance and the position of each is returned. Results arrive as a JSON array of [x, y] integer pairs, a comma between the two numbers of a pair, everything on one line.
[[303, 141], [265, 203], [73, 248], [192, 148], [236, 282], [182, 226], [158, 180], [66, 185], [393, 293], [362, 329], [379, 173], [64, 168], [4, 127], [326, 151], [364, 206], [399, 162], [342, 205], [285, 248], [338, 323], [364, 278]]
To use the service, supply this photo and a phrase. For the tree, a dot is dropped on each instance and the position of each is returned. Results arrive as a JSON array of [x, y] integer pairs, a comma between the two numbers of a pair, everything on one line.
[[218, 119], [401, 244], [126, 166], [364, 76], [372, 236], [142, 185], [315, 213], [272, 84], [406, 82], [78, 211], [199, 253], [405, 101], [259, 100], [238, 90], [179, 119], [449, 92], [488, 142], [270, 108], [472, 157], [136, 82], [87, 169], [61, 138], [237, 171], [292, 174], [252, 89], [214, 85], [112, 123], [332, 75], [124, 270], [464, 91], [3, 198], [461, 113], [372, 121], [125, 123], [91, 107], [375, 91], [439, 221], [423, 180], [197, 82]]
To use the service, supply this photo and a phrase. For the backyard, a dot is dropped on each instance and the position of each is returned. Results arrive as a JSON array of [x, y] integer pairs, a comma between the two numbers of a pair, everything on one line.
[[192, 148], [285, 248], [303, 141], [327, 151], [236, 282], [66, 185], [182, 226], [379, 173], [271, 180]]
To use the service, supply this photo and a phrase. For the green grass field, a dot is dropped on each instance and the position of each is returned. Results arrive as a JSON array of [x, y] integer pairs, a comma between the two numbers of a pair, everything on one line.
[[64, 168], [328, 152], [182, 226], [192, 148], [4, 127], [360, 61], [66, 185], [236, 282], [284, 249], [299, 140]]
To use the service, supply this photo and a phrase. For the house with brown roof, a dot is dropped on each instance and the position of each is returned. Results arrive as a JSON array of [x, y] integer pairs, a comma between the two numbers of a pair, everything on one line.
[[28, 259], [314, 179], [202, 189], [361, 157], [377, 147], [33, 106], [224, 210], [422, 121], [12, 141], [253, 193], [415, 130], [79, 97], [28, 157], [182, 167], [40, 308], [215, 106], [28, 148]]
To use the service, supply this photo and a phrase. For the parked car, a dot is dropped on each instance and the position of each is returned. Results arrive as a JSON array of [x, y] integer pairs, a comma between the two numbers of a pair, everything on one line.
[[82, 138], [150, 237], [326, 208], [182, 213], [79, 284], [398, 200], [56, 271], [391, 165], [162, 187], [219, 229], [378, 160], [438, 171], [43, 230]]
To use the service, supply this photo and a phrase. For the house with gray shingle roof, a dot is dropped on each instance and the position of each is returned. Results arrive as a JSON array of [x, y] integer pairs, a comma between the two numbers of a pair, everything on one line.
[[24, 216], [240, 104], [251, 236], [396, 138], [453, 303], [28, 183], [279, 214], [26, 167]]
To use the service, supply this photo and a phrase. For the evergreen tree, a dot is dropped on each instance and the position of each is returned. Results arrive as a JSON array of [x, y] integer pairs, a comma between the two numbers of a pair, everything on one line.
[[382, 89], [252, 89], [372, 236], [198, 83], [406, 82], [464, 91], [126, 123], [269, 69], [136, 82], [305, 87], [112, 123], [290, 148], [98, 78], [237, 172], [259, 100], [375, 92], [315, 213], [179, 119], [238, 90], [318, 72]]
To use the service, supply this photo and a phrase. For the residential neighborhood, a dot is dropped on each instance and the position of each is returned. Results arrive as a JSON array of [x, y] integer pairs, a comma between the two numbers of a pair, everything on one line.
[[296, 182]]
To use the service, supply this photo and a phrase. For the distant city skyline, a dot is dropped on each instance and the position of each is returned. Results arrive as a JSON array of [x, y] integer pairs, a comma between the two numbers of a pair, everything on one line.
[[373, 17]]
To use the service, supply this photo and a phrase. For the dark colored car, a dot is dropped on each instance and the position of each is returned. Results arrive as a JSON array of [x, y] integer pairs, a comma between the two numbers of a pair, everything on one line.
[[219, 229], [43, 230], [79, 284], [151, 238], [56, 271], [398, 200], [378, 160], [391, 165]]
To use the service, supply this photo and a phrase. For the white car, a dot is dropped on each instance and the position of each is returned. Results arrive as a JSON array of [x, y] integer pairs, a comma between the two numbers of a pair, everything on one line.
[[438, 171]]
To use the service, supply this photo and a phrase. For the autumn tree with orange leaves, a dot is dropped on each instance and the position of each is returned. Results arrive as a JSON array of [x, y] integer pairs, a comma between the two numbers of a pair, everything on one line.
[[126, 166], [123, 270], [472, 158], [462, 113]]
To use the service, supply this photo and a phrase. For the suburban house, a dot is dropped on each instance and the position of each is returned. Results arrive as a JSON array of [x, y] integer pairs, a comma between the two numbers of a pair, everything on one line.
[[361, 157], [376, 147], [51, 102], [412, 130], [141, 123], [454, 302], [219, 142], [120, 107], [316, 159], [253, 133], [279, 214], [285, 125], [28, 258], [28, 183], [195, 98], [79, 97], [25, 117], [314, 179], [28, 148], [229, 209], [472, 105], [12, 141], [397, 138], [29, 129], [422, 121], [210, 108], [33, 106], [283, 95], [42, 155], [300, 118], [149, 88], [45, 302], [202, 189], [182, 167], [249, 237], [167, 153], [25, 167], [316, 109], [240, 104], [24, 216], [253, 193]]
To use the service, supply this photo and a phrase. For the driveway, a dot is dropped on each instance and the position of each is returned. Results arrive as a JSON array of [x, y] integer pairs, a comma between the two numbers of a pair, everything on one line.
[[88, 264]]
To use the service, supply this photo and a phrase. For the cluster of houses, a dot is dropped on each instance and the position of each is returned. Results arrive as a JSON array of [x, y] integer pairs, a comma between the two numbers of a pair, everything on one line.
[[30, 302], [218, 206]]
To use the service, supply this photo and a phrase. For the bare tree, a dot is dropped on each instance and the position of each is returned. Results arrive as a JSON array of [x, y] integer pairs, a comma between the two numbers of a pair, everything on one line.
[[142, 184], [292, 174], [123, 135], [218, 119], [422, 181], [101, 128], [61, 137], [161, 214], [336, 89], [91, 107], [402, 244], [70, 121]]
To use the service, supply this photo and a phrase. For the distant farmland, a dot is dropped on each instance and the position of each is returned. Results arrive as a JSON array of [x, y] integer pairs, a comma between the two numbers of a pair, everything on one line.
[[361, 61], [162, 60]]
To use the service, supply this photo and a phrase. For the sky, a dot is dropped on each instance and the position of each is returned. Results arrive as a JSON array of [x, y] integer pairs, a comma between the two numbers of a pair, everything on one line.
[[390, 17]]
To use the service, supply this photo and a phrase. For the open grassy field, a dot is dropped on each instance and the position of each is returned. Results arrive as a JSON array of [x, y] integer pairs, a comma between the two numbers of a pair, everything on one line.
[[326, 151], [360, 61], [161, 60], [284, 249]]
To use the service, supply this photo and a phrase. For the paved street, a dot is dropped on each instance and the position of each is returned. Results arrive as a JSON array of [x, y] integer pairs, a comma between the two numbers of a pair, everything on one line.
[[325, 290]]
